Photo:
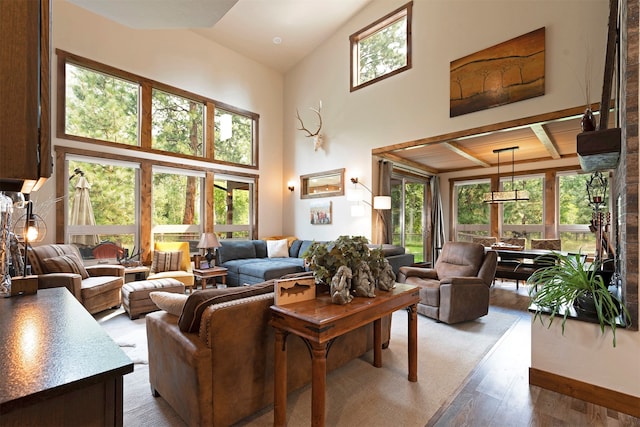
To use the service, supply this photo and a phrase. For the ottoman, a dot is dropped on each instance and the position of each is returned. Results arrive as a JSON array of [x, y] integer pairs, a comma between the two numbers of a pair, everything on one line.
[[135, 295]]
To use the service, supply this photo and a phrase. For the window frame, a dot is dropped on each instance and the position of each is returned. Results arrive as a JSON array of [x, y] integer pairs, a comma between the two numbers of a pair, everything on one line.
[[382, 23], [79, 230], [146, 86]]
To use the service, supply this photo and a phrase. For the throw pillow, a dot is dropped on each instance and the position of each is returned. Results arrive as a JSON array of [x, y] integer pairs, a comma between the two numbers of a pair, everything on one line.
[[170, 302], [166, 261], [69, 263], [183, 247], [236, 249], [278, 248], [197, 302]]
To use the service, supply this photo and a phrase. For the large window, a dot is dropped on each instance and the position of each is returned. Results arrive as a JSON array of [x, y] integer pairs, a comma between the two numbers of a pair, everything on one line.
[[104, 105], [234, 207], [408, 215], [233, 136], [177, 124], [524, 219], [471, 213], [177, 206], [102, 206], [575, 214], [100, 106], [381, 49]]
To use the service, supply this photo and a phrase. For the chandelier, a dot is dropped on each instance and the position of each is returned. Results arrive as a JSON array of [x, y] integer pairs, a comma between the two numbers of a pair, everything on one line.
[[506, 196]]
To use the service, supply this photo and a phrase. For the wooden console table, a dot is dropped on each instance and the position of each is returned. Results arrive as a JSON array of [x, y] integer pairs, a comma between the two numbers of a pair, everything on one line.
[[319, 322], [58, 366]]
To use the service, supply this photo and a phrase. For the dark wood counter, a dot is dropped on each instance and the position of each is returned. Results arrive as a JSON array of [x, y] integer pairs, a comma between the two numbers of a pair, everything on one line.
[[58, 366]]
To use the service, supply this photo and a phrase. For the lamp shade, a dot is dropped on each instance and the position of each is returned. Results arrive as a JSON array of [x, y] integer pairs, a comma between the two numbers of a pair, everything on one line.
[[208, 240], [382, 202]]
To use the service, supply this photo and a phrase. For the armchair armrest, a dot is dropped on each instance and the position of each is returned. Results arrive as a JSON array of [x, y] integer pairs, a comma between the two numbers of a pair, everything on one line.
[[462, 281], [70, 281], [424, 273], [105, 270]]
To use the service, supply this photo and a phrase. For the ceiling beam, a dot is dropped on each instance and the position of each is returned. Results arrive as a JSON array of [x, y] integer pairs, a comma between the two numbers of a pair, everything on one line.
[[464, 153], [410, 164], [545, 139]]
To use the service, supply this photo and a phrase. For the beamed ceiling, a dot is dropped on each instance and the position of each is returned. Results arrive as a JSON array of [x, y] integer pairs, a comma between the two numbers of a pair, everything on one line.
[[550, 136]]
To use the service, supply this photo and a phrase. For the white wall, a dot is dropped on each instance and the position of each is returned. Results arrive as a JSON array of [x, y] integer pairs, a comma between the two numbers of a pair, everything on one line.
[[187, 61], [415, 104]]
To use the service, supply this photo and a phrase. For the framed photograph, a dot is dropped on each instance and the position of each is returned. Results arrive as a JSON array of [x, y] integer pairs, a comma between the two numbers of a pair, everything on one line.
[[204, 265], [320, 213], [297, 289]]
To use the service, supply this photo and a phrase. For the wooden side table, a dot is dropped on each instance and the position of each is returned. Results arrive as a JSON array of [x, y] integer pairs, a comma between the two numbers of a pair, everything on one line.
[[139, 273], [210, 273], [319, 322]]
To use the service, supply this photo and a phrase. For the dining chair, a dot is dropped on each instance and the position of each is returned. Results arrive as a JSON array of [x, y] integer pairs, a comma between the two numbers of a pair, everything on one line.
[[549, 244]]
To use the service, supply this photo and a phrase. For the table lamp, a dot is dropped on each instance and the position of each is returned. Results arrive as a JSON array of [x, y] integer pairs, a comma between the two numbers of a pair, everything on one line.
[[209, 241]]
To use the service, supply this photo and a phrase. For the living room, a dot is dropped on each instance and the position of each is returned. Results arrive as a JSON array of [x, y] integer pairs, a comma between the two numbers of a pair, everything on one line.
[[406, 107]]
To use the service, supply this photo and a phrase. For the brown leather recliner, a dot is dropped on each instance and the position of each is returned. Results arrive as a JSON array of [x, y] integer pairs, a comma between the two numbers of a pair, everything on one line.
[[457, 289], [98, 291]]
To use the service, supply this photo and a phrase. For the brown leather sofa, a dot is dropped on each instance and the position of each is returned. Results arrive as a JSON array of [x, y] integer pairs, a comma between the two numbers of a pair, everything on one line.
[[98, 291], [457, 289], [223, 371]]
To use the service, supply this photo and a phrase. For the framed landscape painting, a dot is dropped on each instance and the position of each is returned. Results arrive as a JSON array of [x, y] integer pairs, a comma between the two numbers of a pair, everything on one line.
[[507, 72]]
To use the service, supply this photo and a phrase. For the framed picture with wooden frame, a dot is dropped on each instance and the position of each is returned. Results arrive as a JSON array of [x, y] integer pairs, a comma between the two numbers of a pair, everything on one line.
[[322, 184]]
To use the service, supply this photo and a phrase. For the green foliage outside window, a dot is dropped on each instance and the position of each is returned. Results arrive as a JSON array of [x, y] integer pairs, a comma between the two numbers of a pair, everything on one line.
[[232, 205], [233, 138], [170, 206], [574, 206], [112, 191], [177, 124], [101, 107], [383, 51], [471, 207], [524, 213]]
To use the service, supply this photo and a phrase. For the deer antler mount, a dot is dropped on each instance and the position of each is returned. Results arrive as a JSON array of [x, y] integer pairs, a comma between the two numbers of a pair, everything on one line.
[[318, 138]]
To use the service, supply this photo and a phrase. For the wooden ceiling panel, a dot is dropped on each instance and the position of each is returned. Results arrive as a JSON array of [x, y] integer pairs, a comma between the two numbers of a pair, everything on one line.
[[551, 137]]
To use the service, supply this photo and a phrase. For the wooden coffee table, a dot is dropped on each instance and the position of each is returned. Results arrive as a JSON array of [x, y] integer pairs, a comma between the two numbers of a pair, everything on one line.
[[210, 273], [319, 322]]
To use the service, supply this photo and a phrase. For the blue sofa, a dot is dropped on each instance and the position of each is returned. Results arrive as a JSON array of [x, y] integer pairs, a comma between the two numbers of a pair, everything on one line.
[[248, 263]]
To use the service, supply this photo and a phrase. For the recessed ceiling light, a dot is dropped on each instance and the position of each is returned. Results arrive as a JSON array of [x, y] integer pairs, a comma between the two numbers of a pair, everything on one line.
[[277, 40]]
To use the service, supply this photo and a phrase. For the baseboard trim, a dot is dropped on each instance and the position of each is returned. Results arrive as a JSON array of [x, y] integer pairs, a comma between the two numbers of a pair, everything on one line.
[[611, 399]]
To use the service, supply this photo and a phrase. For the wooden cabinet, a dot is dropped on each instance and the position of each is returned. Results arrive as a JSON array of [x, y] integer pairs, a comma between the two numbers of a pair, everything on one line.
[[25, 117]]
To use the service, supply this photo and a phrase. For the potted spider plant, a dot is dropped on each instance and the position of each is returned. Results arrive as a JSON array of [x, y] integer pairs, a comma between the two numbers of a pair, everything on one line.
[[569, 282]]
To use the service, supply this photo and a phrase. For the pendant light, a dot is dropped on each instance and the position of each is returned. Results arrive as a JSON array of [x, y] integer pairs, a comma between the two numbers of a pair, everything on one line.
[[506, 196]]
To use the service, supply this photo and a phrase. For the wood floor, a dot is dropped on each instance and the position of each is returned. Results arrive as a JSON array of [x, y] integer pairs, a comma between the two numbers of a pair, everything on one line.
[[498, 393]]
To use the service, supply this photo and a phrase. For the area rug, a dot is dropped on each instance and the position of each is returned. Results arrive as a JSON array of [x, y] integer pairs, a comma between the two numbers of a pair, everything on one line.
[[357, 393]]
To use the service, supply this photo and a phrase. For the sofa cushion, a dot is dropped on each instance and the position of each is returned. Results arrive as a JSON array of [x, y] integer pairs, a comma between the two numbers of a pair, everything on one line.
[[236, 249], [271, 268], [197, 302], [278, 248], [165, 261], [294, 249], [68, 263], [169, 301]]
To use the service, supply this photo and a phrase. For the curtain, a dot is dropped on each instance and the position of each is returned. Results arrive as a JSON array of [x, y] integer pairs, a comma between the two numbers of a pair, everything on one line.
[[383, 230], [437, 219]]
